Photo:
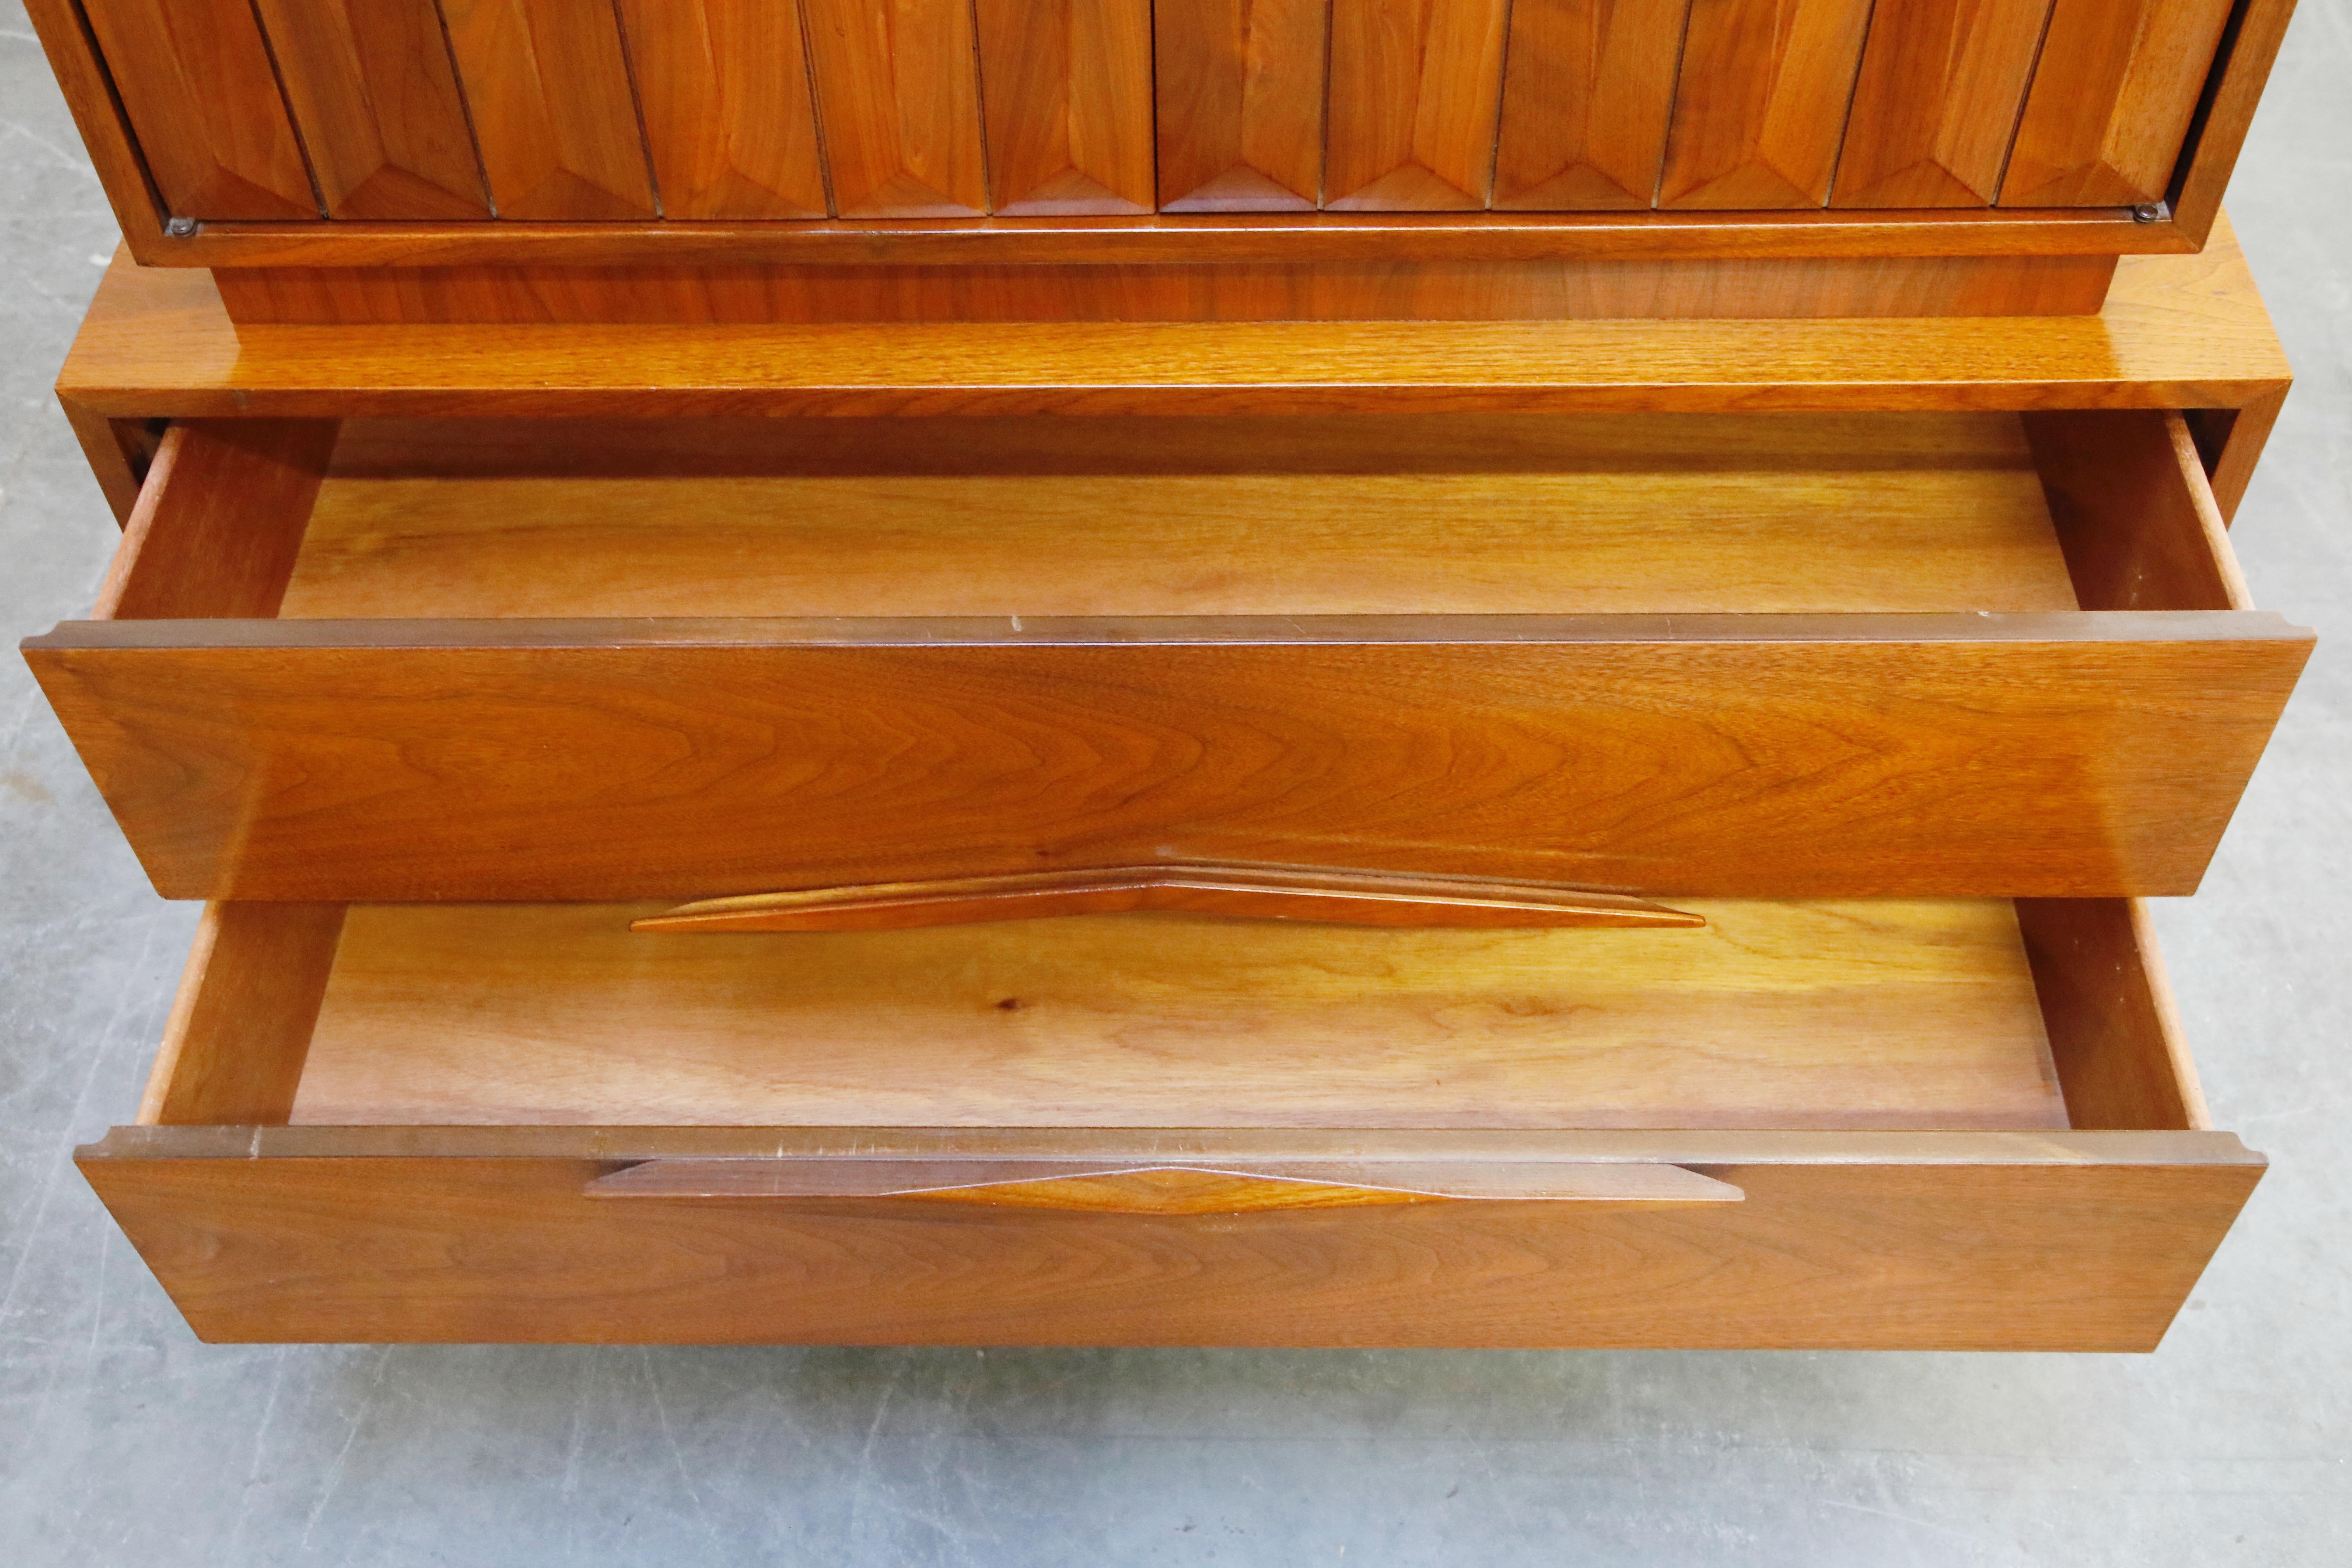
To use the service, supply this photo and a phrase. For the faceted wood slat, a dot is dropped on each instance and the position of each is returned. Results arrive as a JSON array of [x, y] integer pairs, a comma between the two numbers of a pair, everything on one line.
[[1415, 92], [897, 93], [196, 79], [373, 86], [728, 118], [2111, 101], [1066, 103], [553, 114], [1761, 103], [1941, 87], [1238, 93], [1587, 91]]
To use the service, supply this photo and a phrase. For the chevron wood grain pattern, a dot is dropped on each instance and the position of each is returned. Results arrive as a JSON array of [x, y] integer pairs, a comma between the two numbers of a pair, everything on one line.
[[1937, 103], [1587, 89], [553, 114], [1066, 102], [2112, 99], [1238, 92], [374, 93], [196, 80], [1760, 103], [897, 96], [729, 119], [1415, 89]]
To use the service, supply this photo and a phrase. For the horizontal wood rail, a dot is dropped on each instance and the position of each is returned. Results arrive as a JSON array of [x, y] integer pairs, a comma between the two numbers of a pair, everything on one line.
[[1163, 1189], [1249, 892]]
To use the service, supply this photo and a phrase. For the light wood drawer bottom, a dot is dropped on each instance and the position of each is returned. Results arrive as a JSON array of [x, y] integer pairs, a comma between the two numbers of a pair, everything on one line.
[[1868, 1124]]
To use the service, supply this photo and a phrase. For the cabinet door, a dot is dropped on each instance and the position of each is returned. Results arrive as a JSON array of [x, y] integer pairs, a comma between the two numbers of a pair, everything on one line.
[[1238, 94], [1416, 86], [371, 87], [729, 119], [553, 109], [1067, 101], [1942, 82], [2112, 100], [897, 92], [1585, 100], [196, 79], [1761, 103]]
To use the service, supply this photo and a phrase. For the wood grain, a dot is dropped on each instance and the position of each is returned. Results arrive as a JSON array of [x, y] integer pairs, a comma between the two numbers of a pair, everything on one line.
[[2250, 45], [1238, 91], [2230, 442], [1587, 89], [219, 520], [1365, 515], [1415, 89], [1942, 84], [119, 452], [2114, 1034], [196, 80], [1067, 99], [898, 100], [371, 87], [2178, 331], [1765, 755], [241, 1023], [729, 122], [93, 98], [553, 114], [1077, 1187], [1226, 892], [2133, 512], [1761, 102], [2112, 100], [1868, 1014], [2050, 1241]]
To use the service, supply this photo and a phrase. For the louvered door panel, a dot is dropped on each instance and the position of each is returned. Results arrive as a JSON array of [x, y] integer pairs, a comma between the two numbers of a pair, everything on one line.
[[373, 89], [1761, 103], [2111, 103], [898, 96], [196, 79], [1238, 95], [1586, 95], [730, 122], [553, 114], [1416, 87], [1066, 102], [1942, 83]]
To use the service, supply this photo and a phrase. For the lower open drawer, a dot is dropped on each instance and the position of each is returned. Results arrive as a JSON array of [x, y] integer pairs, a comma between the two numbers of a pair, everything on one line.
[[1945, 1124]]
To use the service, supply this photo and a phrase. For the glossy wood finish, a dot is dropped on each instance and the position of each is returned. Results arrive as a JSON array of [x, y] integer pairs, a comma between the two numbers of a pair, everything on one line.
[[1067, 101], [1942, 85], [196, 81], [241, 1023], [1239, 892], [2182, 333], [1587, 89], [1087, 1187], [220, 522], [373, 88], [1238, 98], [2112, 101], [1868, 1014], [119, 452], [1761, 103], [897, 96], [1415, 88], [2250, 43], [729, 122], [2132, 511], [553, 114], [2044, 285]]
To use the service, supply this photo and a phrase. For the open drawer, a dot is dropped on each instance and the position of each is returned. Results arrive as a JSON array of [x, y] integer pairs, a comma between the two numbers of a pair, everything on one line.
[[1875, 1123], [1755, 655]]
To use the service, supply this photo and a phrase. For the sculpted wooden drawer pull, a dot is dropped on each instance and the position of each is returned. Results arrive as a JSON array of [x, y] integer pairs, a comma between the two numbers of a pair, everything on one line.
[[1255, 892], [1164, 1189]]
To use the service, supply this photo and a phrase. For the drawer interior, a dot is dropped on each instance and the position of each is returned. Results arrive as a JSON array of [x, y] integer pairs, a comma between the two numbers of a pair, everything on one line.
[[1946, 1015], [1358, 515]]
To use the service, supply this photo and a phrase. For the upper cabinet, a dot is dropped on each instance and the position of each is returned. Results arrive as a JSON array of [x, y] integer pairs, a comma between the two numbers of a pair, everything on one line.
[[730, 110]]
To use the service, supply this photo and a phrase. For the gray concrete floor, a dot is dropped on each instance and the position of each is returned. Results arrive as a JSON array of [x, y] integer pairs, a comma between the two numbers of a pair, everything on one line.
[[122, 1439]]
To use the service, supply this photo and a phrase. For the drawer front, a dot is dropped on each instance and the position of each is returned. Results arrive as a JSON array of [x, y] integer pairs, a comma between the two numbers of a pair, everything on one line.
[[2042, 755], [2064, 1241]]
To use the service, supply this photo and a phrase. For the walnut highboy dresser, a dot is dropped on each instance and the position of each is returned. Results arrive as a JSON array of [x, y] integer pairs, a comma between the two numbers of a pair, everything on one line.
[[1253, 672]]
